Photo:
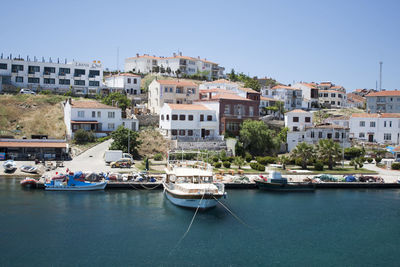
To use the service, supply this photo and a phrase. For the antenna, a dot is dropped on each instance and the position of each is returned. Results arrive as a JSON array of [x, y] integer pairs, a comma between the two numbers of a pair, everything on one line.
[[117, 58], [380, 75]]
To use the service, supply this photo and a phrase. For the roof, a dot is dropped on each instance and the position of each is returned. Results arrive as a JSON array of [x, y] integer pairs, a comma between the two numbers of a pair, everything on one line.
[[123, 75], [355, 98], [375, 115], [311, 85], [176, 82], [145, 56], [85, 122], [284, 87], [188, 107], [222, 81], [397, 149], [268, 98], [298, 111], [385, 93], [328, 126], [339, 118], [91, 104], [330, 91], [216, 90], [249, 90], [33, 143], [230, 96]]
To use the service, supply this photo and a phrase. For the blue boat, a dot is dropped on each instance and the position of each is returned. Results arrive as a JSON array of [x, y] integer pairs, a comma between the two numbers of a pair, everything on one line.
[[275, 182], [73, 183]]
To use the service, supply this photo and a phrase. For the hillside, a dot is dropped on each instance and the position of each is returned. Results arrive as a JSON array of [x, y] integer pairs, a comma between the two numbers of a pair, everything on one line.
[[24, 115]]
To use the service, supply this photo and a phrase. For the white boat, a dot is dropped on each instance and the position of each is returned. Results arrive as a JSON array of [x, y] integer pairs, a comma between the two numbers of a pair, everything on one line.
[[29, 169], [73, 184], [190, 184], [9, 165]]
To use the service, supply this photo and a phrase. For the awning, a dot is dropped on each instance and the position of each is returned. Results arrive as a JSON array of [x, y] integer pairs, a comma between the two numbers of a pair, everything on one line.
[[34, 144], [85, 122]]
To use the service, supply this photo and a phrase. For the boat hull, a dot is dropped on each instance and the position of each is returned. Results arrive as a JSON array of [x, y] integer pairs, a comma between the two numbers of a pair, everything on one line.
[[29, 183], [92, 187], [288, 187], [194, 203]]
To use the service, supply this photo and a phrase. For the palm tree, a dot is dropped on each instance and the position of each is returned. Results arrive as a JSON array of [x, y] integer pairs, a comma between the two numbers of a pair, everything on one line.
[[329, 150], [284, 160], [304, 152], [238, 161]]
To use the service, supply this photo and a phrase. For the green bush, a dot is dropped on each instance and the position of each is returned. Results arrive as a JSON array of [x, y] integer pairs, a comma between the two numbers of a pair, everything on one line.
[[217, 164], [353, 152], [248, 157], [370, 160], [227, 164], [261, 167], [266, 160], [318, 165], [257, 166], [396, 166], [378, 160], [231, 159], [105, 138], [158, 157], [215, 159], [298, 161], [253, 165], [81, 136]]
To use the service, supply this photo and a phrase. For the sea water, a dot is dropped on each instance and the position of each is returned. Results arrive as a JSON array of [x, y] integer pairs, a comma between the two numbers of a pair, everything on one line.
[[137, 228]]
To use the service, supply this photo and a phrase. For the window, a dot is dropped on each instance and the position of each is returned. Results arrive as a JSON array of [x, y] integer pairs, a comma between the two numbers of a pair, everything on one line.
[[49, 81], [48, 70], [170, 89], [81, 114], [129, 80], [19, 79], [111, 126], [390, 123], [94, 83], [93, 114], [362, 123], [182, 117], [79, 72], [333, 95], [79, 82], [166, 89], [325, 94], [338, 103], [111, 114], [179, 90], [227, 109], [3, 66], [307, 119], [33, 80], [251, 111], [333, 102], [16, 68], [190, 117], [98, 114], [295, 129], [201, 117], [64, 81], [174, 117], [182, 132], [312, 135], [63, 71], [135, 81], [190, 133], [361, 135], [339, 95], [319, 134], [162, 117], [372, 124], [295, 119], [209, 117], [337, 135], [384, 124], [387, 136], [174, 132], [167, 117], [33, 69], [93, 73]]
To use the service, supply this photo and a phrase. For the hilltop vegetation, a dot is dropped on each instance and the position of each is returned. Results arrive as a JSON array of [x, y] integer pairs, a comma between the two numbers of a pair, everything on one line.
[[24, 115]]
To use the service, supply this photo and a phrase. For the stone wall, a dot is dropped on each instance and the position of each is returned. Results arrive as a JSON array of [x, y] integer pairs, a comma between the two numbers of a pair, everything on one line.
[[148, 120], [208, 145]]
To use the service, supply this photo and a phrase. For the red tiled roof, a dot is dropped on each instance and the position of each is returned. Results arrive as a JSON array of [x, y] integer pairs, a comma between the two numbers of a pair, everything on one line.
[[222, 81], [188, 107], [328, 126], [177, 83], [229, 96], [355, 98], [216, 90], [385, 93], [284, 87], [90, 104], [249, 90], [268, 98], [375, 115], [298, 111]]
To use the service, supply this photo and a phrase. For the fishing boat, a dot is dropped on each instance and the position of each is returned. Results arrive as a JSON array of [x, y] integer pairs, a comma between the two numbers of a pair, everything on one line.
[[29, 169], [29, 182], [190, 184], [275, 182], [9, 165], [72, 182]]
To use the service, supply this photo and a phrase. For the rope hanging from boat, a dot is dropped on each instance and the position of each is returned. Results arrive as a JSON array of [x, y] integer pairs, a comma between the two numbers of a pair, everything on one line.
[[144, 187], [190, 225], [234, 215]]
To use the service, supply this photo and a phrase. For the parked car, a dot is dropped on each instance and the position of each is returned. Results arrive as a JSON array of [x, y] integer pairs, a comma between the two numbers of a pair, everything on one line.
[[122, 163], [27, 91]]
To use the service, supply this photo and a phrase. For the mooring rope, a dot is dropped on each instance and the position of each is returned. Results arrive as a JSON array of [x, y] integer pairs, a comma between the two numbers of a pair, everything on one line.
[[234, 215], [143, 187]]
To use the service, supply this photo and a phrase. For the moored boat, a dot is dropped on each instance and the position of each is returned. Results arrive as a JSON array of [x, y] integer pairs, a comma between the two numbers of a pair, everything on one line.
[[9, 165], [275, 182], [29, 169], [190, 184], [29, 182], [71, 183]]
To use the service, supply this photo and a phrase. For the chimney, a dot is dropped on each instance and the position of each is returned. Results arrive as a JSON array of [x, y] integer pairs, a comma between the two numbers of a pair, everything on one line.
[[174, 54], [137, 54], [180, 53]]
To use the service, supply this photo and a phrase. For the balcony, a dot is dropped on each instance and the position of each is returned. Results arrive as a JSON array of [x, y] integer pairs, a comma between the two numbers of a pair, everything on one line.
[[208, 124]]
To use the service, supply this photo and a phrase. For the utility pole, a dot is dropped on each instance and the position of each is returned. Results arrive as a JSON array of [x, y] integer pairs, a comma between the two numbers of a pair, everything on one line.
[[129, 140], [118, 59], [380, 75]]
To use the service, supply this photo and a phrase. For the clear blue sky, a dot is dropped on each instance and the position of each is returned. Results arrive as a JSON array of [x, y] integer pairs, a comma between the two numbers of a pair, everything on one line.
[[340, 41]]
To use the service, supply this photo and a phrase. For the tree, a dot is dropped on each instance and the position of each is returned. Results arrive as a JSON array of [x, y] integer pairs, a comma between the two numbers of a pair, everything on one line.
[[82, 136], [238, 161], [280, 106], [232, 76], [329, 150], [168, 70], [283, 134], [303, 152], [253, 84], [122, 100], [120, 140], [284, 160], [257, 138]]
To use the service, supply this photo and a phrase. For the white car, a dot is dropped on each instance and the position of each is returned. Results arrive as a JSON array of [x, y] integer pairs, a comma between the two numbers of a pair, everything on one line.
[[27, 91]]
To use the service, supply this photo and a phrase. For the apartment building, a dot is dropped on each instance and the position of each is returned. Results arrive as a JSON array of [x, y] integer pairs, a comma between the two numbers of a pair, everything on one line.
[[219, 84], [96, 117], [189, 122], [126, 82], [171, 92], [170, 65], [309, 93], [383, 101], [376, 127], [332, 98], [290, 96], [82, 78], [330, 86], [296, 120], [338, 120]]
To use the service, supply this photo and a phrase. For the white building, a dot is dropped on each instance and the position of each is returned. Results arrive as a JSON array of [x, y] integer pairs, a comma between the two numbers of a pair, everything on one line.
[[355, 101], [266, 102], [188, 122], [219, 84], [332, 98], [291, 97], [126, 82], [309, 93], [340, 120], [96, 117], [170, 65], [296, 120], [171, 92], [82, 78], [375, 127], [383, 101]]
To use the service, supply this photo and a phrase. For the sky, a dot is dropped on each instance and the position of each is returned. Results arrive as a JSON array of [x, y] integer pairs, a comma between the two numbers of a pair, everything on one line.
[[290, 41]]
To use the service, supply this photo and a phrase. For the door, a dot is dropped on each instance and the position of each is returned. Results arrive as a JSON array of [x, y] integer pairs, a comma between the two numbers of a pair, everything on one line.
[[203, 133], [371, 138]]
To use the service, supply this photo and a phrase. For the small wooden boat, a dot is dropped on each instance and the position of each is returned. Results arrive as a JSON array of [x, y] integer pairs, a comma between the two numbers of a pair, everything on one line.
[[275, 182], [29, 169], [29, 182], [73, 183], [9, 165]]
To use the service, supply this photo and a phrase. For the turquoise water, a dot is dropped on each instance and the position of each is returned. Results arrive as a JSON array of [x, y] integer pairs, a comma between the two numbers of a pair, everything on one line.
[[127, 227]]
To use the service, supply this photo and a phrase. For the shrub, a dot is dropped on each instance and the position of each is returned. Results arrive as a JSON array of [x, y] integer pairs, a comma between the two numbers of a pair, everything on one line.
[[369, 160], [261, 167], [217, 164], [353, 152], [215, 159], [319, 165], [158, 157], [266, 160], [257, 166], [378, 160], [81, 136], [396, 166], [231, 159], [248, 157], [298, 161], [227, 164], [105, 138], [253, 165]]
